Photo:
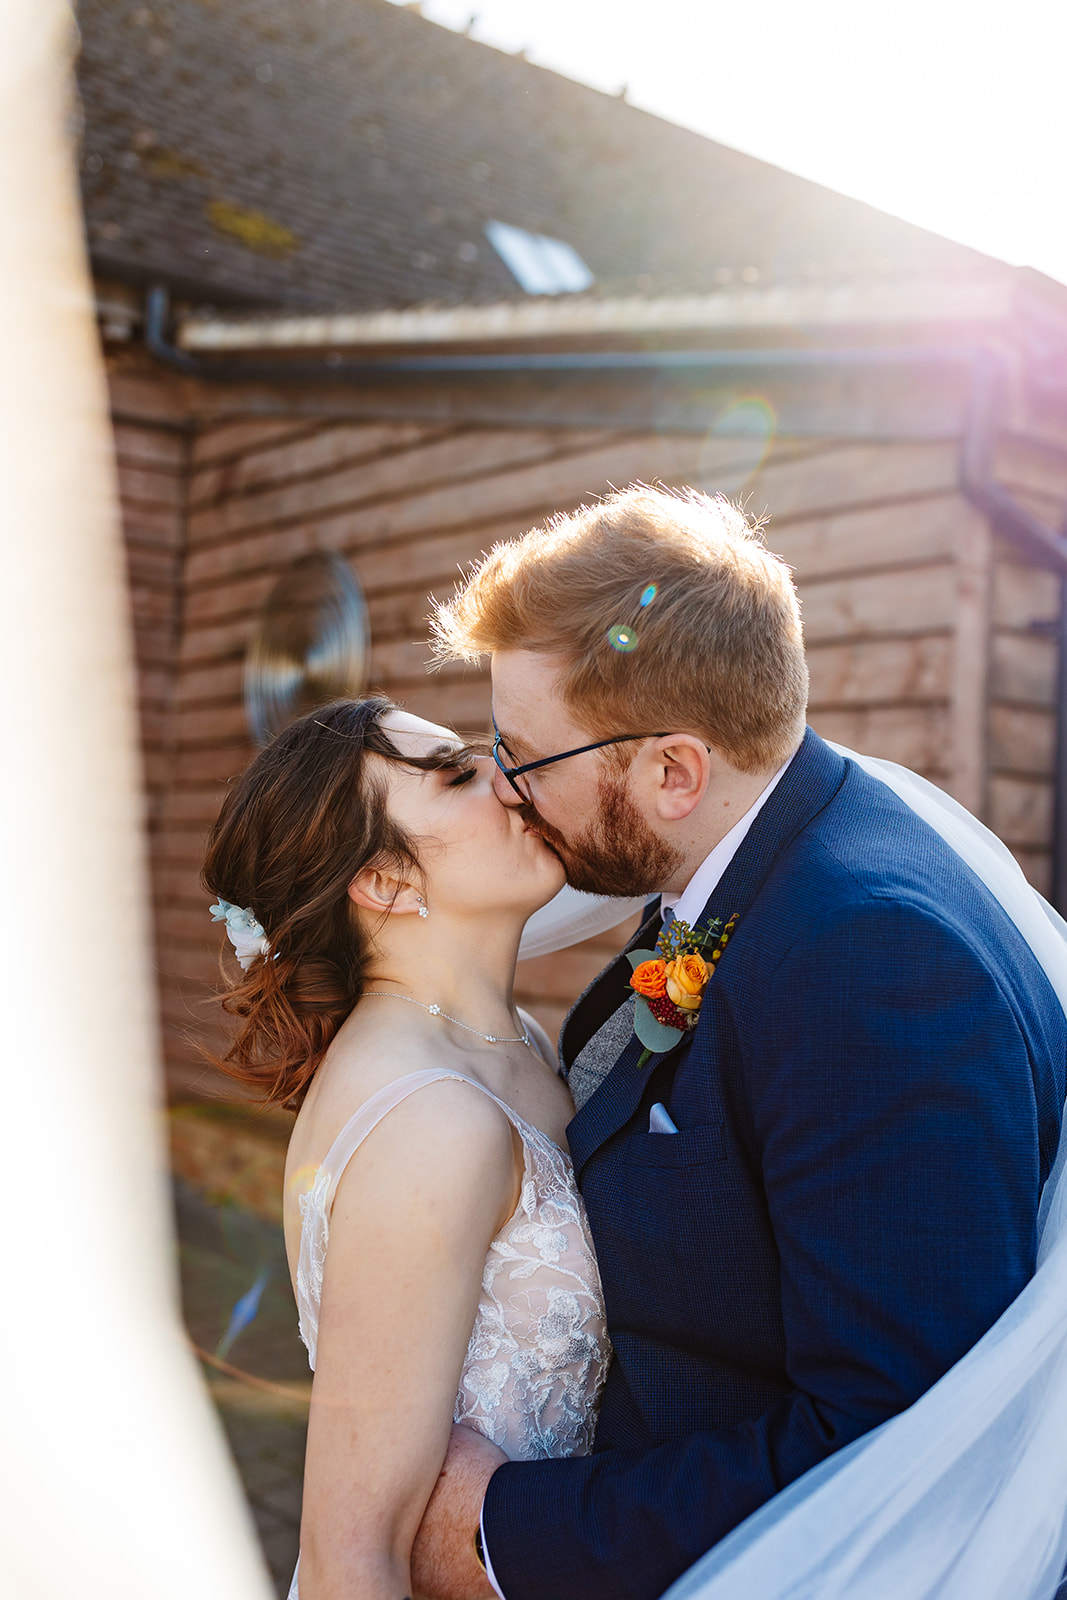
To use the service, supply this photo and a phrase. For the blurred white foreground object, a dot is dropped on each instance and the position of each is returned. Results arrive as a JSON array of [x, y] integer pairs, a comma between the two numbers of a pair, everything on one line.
[[115, 1479]]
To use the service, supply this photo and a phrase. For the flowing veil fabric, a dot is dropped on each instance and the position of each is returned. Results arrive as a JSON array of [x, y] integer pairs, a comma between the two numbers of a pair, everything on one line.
[[571, 917], [964, 1495]]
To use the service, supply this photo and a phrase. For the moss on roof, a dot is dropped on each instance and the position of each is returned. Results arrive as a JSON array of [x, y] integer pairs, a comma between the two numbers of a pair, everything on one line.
[[350, 152]]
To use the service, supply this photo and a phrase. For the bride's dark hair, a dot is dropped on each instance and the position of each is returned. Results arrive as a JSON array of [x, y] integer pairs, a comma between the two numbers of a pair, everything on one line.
[[301, 821]]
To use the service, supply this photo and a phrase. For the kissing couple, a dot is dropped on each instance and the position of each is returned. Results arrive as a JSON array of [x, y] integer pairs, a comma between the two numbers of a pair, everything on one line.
[[754, 1289]]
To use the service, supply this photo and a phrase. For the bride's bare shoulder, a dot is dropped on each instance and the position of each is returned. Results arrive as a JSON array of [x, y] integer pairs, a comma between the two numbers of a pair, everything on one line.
[[437, 1116]]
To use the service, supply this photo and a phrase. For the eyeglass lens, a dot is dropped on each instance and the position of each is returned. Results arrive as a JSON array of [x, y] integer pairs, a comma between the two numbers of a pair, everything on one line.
[[506, 762]]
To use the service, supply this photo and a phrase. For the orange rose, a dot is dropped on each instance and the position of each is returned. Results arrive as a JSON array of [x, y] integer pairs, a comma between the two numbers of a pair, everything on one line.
[[687, 979], [650, 979]]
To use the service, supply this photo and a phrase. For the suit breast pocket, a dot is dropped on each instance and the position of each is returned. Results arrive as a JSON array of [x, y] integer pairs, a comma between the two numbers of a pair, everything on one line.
[[691, 1147]]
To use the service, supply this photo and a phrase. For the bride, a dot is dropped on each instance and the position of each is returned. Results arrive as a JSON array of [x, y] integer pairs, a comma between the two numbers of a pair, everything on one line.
[[375, 891]]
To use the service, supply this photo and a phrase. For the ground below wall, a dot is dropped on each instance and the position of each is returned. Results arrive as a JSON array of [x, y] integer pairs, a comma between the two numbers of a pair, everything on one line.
[[227, 1203]]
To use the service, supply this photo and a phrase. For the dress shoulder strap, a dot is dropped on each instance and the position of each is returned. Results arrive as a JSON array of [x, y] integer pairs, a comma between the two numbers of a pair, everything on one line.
[[373, 1110], [317, 1203]]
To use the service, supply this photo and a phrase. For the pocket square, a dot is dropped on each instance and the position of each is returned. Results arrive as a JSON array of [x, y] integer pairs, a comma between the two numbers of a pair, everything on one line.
[[659, 1119]]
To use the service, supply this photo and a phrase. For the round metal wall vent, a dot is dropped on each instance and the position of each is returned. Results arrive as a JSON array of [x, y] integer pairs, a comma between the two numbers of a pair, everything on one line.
[[311, 645]]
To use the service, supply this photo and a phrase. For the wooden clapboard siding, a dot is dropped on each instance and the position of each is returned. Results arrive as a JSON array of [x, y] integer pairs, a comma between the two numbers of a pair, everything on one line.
[[1023, 660], [880, 672], [880, 590], [871, 530], [1033, 467], [152, 457], [1023, 669], [916, 736], [929, 642], [241, 437], [843, 475], [409, 505], [152, 462]]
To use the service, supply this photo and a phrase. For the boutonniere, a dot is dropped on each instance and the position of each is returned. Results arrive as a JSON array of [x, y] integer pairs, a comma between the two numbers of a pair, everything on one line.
[[670, 981]]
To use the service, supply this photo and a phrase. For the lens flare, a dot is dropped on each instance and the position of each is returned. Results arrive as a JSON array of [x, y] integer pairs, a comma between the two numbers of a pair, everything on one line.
[[737, 444], [244, 1312], [649, 595], [303, 1178], [622, 638]]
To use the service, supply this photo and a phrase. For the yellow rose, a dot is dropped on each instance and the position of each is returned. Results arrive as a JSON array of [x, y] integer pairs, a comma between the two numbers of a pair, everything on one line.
[[687, 979]]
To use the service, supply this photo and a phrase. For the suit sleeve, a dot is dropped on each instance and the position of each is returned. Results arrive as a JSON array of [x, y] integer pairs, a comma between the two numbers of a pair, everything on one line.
[[896, 1129]]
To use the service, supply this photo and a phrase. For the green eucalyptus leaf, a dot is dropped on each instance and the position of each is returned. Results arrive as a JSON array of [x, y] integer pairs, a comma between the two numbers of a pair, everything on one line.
[[654, 1035], [635, 957]]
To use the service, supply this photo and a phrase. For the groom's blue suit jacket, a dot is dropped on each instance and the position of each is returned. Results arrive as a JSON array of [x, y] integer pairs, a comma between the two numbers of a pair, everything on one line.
[[867, 1111]]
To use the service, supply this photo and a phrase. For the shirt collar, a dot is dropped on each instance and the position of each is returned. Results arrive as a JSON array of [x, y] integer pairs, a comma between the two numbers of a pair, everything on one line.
[[688, 905]]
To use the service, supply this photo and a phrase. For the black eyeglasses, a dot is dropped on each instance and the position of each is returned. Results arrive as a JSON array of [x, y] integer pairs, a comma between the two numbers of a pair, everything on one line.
[[514, 773]]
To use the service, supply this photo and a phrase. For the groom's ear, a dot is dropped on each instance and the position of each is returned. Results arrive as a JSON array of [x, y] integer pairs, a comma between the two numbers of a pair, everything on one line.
[[682, 769]]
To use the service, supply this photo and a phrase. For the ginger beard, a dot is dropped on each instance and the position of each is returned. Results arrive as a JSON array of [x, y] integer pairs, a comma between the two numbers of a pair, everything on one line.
[[618, 853]]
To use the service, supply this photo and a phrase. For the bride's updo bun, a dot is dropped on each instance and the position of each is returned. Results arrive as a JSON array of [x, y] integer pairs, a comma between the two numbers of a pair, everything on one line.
[[304, 818]]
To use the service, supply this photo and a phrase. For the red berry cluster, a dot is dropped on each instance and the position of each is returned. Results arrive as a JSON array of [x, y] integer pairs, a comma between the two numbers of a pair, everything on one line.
[[664, 1010]]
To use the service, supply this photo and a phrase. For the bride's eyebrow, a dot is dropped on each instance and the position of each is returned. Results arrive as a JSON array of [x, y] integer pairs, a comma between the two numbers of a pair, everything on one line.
[[443, 757]]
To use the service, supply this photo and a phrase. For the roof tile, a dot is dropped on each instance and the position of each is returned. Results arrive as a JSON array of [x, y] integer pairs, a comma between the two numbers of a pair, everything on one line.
[[349, 153]]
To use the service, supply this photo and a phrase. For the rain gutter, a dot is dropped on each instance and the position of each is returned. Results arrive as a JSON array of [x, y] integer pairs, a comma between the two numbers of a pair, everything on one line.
[[989, 378], [342, 370]]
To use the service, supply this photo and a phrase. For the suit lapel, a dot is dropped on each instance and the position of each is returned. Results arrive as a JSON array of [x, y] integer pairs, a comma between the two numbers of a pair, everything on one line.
[[810, 783], [605, 994], [614, 1103]]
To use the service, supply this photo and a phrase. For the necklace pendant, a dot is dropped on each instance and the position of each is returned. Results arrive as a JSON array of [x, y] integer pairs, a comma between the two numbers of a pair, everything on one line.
[[435, 1011]]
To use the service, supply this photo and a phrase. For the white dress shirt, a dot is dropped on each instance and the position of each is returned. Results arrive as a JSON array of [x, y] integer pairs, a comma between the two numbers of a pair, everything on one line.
[[698, 891], [688, 905]]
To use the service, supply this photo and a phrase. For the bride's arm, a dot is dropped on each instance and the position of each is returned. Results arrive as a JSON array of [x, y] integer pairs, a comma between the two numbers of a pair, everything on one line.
[[413, 1218]]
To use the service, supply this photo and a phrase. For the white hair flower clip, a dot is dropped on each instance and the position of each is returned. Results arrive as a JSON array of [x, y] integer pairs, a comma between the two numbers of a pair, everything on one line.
[[244, 931]]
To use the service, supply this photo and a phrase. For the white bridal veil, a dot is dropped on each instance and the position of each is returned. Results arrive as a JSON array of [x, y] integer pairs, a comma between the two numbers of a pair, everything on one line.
[[964, 1495]]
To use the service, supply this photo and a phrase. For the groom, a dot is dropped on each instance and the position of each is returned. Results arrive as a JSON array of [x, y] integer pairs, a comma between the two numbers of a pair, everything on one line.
[[807, 1208]]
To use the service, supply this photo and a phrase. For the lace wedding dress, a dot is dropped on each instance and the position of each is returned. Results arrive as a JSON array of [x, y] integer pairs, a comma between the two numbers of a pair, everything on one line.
[[539, 1352]]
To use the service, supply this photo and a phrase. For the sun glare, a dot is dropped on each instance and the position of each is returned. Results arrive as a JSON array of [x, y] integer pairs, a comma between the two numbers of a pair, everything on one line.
[[948, 113]]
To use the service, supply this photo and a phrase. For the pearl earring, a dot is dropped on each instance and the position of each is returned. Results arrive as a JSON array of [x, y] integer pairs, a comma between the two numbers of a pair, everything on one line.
[[424, 910]]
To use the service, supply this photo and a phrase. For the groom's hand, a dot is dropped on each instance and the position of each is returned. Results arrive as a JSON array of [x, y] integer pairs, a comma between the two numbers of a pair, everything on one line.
[[444, 1565]]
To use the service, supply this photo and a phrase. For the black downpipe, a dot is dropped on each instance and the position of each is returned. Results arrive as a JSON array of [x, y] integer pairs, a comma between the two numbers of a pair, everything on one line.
[[1014, 521], [989, 378]]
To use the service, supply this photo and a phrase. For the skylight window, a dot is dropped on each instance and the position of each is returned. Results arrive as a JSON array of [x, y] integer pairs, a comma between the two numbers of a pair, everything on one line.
[[541, 265]]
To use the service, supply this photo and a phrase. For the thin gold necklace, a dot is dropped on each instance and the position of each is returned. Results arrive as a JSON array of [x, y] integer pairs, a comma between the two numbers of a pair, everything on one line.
[[435, 1011]]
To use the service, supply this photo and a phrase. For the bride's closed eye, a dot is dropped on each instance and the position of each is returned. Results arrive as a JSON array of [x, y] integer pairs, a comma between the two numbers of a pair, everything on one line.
[[464, 765]]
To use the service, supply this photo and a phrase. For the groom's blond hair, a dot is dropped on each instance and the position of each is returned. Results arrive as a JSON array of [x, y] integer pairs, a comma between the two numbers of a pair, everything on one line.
[[664, 610]]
